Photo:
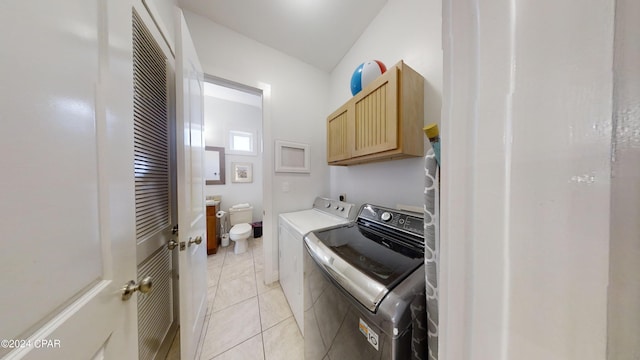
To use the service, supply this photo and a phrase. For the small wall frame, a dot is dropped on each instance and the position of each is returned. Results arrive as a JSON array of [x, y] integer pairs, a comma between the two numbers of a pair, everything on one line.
[[292, 157], [241, 172]]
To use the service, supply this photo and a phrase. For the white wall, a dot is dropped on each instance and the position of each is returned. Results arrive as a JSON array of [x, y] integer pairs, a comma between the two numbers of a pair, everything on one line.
[[295, 110], [219, 117], [408, 30], [624, 286], [526, 142], [164, 13]]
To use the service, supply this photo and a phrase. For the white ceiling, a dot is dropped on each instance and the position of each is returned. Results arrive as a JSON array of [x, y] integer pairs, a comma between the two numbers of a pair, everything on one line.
[[318, 32]]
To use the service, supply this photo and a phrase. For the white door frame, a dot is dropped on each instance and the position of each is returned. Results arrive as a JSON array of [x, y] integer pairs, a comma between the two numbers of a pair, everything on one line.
[[269, 244], [526, 141]]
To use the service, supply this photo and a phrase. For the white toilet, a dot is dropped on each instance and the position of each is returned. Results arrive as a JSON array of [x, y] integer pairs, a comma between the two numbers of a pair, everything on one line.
[[240, 216]]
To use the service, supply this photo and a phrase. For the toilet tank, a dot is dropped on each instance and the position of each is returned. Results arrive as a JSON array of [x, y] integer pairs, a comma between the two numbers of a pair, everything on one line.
[[241, 214]]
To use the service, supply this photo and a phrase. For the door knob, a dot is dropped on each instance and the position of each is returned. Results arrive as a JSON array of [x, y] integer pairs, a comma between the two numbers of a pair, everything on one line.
[[143, 286], [197, 240], [172, 244]]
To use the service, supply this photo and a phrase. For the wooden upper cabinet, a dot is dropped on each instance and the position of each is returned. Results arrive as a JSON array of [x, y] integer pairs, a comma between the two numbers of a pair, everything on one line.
[[375, 112], [338, 141], [382, 122]]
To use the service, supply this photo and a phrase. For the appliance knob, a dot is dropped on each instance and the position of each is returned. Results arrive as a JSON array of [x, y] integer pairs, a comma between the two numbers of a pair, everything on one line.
[[342, 208], [328, 205], [337, 207], [386, 216]]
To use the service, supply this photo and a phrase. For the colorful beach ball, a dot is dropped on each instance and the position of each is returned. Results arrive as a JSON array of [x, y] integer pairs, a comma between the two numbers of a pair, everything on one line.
[[366, 73]]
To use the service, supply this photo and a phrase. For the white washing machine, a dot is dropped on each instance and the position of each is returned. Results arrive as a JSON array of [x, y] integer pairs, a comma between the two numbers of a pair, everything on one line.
[[292, 227]]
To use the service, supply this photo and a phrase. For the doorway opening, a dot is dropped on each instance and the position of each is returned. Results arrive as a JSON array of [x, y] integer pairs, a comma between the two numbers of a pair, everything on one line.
[[234, 128]]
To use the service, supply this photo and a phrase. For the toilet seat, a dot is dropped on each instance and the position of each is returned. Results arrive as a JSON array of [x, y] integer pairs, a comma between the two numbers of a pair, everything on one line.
[[240, 231]]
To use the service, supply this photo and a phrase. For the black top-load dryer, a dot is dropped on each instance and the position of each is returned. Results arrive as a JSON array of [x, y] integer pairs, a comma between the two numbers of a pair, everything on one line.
[[364, 288]]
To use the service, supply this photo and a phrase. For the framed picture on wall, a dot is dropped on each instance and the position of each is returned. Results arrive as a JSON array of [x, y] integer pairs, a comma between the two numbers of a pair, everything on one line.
[[292, 157], [241, 172]]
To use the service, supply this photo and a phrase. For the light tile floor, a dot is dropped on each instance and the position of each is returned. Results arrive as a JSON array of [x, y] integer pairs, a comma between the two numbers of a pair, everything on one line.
[[247, 319]]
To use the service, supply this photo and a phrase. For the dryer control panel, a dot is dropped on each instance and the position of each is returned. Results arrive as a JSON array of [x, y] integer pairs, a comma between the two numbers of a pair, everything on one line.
[[334, 207], [395, 219]]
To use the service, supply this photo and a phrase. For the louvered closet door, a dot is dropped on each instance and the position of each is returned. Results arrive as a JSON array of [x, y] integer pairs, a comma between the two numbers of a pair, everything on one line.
[[375, 124], [153, 192]]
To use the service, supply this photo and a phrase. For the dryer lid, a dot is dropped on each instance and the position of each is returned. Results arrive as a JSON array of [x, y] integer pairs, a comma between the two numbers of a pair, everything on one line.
[[370, 257]]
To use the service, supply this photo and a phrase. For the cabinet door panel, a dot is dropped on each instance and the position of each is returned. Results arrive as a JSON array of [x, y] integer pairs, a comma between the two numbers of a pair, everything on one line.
[[375, 124], [212, 230], [337, 131]]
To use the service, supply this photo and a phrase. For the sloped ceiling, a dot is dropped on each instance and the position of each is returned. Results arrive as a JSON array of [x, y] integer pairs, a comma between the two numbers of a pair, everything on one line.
[[318, 32]]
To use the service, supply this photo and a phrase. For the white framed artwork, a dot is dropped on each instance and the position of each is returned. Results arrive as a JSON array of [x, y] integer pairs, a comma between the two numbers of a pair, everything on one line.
[[292, 157], [241, 172]]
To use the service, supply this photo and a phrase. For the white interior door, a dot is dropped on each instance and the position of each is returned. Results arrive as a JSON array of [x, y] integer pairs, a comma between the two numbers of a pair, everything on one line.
[[191, 199], [66, 204]]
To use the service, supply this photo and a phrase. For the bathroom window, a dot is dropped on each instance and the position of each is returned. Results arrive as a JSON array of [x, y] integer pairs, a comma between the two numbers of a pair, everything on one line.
[[242, 142]]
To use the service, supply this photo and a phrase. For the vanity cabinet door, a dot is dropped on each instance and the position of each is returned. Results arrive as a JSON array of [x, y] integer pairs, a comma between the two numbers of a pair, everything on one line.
[[212, 230]]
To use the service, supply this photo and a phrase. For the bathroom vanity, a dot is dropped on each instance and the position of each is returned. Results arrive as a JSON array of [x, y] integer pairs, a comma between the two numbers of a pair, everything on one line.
[[212, 226]]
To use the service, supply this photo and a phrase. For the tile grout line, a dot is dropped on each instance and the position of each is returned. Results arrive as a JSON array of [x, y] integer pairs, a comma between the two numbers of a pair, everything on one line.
[[255, 277], [224, 259], [212, 301], [219, 283], [226, 351], [213, 311], [207, 319], [280, 322], [264, 349]]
